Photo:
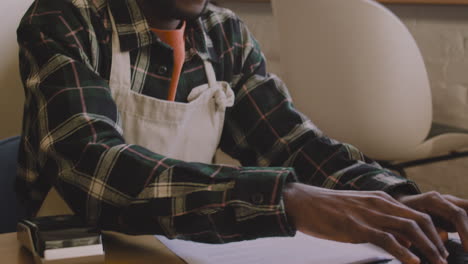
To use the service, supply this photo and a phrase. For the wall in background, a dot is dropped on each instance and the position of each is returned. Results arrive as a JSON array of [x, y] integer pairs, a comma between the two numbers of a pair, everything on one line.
[[442, 35], [11, 90]]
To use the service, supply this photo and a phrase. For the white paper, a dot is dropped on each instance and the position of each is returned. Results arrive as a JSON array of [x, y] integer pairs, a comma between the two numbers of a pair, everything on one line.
[[301, 249], [73, 252]]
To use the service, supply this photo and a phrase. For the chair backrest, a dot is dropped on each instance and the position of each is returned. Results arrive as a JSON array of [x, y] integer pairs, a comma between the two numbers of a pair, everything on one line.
[[11, 92], [356, 71], [10, 208]]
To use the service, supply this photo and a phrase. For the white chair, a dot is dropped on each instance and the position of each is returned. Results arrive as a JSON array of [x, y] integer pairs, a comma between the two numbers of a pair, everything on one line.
[[354, 68]]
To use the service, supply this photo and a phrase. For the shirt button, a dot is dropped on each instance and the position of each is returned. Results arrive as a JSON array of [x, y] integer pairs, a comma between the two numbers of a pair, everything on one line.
[[162, 70], [257, 198]]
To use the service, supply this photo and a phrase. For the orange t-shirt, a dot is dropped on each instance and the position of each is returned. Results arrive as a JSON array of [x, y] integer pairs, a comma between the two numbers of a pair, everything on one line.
[[175, 39]]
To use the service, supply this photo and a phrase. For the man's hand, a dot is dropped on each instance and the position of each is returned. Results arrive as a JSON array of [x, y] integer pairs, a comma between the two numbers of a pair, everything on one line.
[[449, 212], [362, 217]]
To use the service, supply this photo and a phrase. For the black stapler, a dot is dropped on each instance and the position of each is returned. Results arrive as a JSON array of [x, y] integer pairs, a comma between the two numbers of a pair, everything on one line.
[[60, 239]]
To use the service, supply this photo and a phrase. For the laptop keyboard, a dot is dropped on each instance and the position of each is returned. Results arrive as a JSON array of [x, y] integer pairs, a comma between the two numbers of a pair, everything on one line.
[[457, 254], [455, 249]]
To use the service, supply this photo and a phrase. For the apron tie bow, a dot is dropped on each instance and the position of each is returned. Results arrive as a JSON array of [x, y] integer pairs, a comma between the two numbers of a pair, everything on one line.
[[223, 95]]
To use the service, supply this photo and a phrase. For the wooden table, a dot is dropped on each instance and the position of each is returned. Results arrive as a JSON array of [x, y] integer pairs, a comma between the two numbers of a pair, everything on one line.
[[119, 248]]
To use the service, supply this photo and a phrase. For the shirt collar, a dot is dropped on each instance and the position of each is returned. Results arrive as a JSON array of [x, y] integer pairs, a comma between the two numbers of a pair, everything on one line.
[[134, 31]]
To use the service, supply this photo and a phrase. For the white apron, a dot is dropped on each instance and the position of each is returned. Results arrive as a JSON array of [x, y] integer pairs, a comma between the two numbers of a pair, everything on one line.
[[185, 131]]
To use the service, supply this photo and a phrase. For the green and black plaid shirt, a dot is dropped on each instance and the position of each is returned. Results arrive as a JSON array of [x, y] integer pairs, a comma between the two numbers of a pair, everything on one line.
[[71, 138]]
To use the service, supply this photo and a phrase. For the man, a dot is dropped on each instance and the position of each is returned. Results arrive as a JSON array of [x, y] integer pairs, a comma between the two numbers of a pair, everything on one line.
[[101, 127]]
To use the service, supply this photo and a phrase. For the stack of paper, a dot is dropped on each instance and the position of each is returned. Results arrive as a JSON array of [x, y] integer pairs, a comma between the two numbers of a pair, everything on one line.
[[301, 249]]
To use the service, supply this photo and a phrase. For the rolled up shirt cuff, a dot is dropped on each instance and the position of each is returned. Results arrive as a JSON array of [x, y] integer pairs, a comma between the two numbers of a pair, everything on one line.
[[405, 188], [388, 182], [262, 213]]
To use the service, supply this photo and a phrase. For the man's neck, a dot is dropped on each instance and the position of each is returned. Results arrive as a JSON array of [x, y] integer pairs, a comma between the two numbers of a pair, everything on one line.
[[156, 21]]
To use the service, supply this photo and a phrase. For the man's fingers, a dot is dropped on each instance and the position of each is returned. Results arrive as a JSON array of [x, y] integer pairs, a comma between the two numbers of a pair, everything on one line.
[[430, 245], [446, 207], [459, 218], [457, 201], [389, 243], [402, 240], [428, 227], [417, 225]]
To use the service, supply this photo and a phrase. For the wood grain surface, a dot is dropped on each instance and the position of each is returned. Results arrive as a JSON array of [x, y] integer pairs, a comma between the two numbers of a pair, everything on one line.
[[119, 248]]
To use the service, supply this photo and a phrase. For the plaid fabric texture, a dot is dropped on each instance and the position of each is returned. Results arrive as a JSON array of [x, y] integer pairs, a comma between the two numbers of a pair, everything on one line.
[[71, 138]]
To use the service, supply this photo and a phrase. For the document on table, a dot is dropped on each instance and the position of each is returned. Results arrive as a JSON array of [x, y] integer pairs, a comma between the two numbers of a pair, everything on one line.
[[301, 249]]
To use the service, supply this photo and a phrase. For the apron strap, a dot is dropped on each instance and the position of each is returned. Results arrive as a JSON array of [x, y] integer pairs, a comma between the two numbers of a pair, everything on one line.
[[120, 76], [210, 73]]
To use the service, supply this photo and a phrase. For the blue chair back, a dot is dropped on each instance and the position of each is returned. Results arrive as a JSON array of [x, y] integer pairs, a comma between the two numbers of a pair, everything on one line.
[[10, 209]]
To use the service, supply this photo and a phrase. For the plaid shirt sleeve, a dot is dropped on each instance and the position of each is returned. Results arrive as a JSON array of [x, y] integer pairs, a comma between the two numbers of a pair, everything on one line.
[[71, 140], [264, 129]]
